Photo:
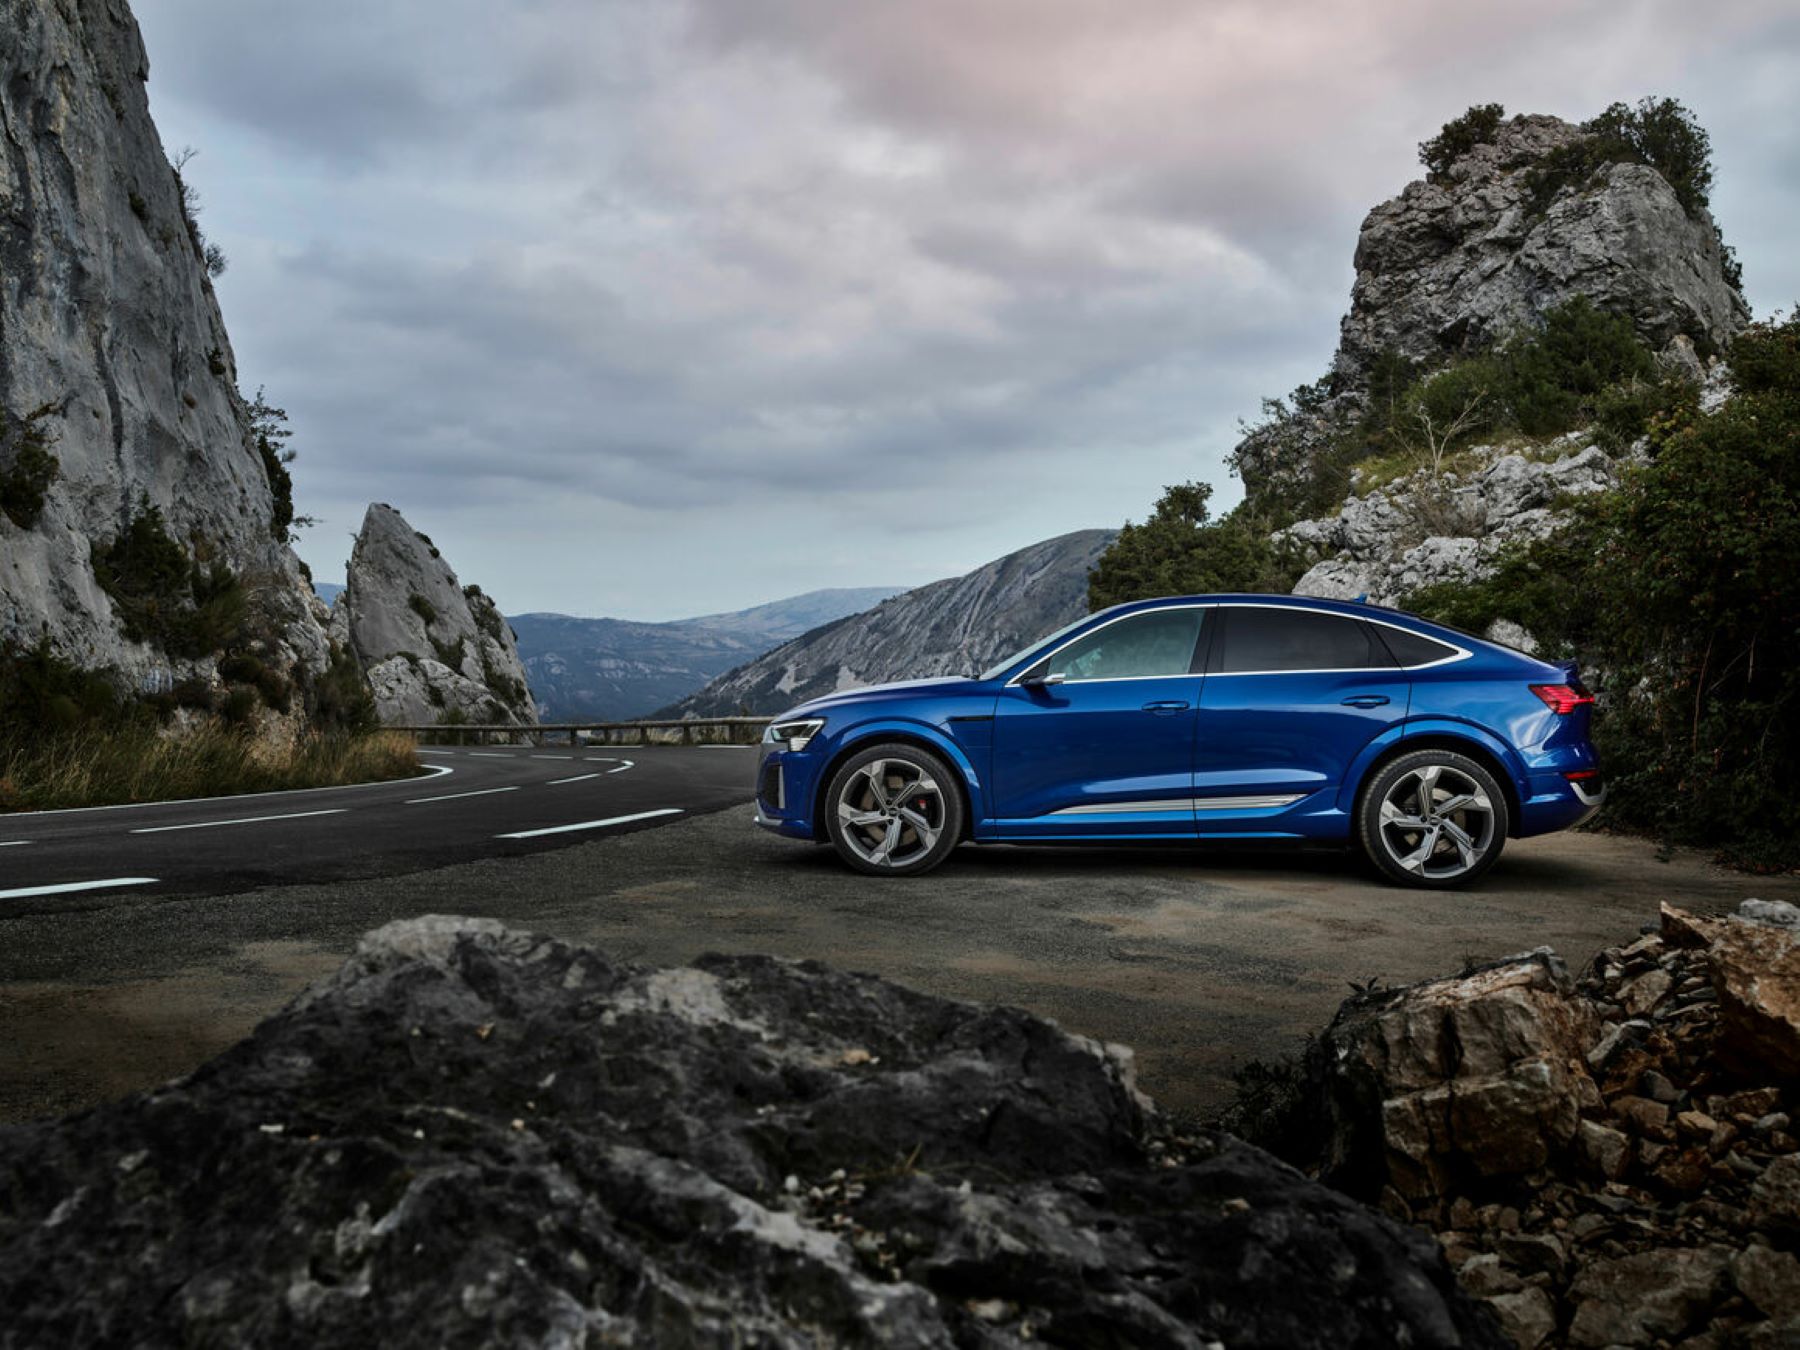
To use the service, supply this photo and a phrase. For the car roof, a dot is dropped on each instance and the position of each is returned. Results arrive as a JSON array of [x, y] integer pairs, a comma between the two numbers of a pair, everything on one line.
[[1353, 608]]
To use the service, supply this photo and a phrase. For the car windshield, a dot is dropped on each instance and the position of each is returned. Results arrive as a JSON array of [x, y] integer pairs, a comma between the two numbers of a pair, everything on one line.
[[1032, 649]]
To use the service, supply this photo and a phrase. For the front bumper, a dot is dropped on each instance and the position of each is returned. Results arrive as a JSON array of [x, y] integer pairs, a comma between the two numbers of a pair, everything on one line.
[[785, 781]]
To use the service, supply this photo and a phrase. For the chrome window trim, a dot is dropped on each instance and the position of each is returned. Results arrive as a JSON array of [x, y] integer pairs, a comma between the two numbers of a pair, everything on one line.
[[1459, 653], [1013, 683]]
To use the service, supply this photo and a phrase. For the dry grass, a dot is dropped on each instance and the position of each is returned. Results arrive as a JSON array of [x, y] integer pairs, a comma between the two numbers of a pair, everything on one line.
[[102, 768]]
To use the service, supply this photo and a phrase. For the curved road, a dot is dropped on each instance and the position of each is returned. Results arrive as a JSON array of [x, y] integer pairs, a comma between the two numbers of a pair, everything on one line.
[[498, 801]]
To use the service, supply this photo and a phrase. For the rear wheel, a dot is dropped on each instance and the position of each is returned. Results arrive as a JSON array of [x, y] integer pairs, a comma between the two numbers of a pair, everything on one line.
[[1433, 818], [894, 810]]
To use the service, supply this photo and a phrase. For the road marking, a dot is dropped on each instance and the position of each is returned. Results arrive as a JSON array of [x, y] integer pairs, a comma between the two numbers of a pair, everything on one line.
[[434, 770], [578, 778], [423, 751], [484, 792], [553, 757], [241, 820], [624, 764], [490, 754], [69, 887], [727, 747], [593, 824], [14, 843]]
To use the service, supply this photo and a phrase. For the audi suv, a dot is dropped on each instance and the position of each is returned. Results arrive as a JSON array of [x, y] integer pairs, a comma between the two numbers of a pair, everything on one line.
[[1247, 718]]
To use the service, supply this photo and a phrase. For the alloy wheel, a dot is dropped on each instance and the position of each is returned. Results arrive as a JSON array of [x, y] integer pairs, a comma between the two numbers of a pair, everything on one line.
[[1437, 822], [891, 813]]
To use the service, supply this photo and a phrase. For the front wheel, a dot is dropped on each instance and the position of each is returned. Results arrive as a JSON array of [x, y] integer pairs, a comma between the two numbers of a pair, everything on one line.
[[1432, 818], [893, 810]]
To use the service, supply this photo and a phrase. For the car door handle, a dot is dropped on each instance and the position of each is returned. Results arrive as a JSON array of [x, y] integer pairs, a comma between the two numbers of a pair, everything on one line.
[[1166, 705], [1365, 700]]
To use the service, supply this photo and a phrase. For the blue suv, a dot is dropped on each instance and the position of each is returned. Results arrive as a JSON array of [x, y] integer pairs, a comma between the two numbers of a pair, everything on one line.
[[1211, 717]]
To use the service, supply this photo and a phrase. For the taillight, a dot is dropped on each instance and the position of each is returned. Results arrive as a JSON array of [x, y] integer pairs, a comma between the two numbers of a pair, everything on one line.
[[1582, 775], [1562, 699]]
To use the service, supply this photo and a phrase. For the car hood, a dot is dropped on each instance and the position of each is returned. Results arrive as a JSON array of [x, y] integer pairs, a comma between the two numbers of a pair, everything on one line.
[[870, 692]]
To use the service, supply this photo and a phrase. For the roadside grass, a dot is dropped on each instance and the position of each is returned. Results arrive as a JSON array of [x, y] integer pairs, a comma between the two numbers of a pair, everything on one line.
[[95, 767]]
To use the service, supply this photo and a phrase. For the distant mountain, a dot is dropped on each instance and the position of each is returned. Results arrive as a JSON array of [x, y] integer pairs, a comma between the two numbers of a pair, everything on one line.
[[328, 591], [955, 627], [617, 669]]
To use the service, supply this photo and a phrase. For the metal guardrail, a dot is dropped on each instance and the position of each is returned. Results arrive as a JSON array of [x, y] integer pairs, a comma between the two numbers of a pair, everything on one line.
[[674, 731]]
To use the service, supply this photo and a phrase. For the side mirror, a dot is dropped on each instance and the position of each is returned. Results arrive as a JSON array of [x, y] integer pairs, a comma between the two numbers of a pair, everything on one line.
[[1042, 681]]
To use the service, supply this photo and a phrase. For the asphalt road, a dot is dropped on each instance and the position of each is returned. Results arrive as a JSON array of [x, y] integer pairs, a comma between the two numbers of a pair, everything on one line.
[[1198, 960], [501, 801]]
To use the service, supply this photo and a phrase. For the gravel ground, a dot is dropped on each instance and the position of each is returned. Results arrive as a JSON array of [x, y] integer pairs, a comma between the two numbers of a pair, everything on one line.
[[1199, 960]]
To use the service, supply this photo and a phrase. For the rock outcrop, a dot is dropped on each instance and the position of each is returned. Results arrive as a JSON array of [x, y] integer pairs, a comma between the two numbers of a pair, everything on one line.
[[478, 1136], [1610, 1160], [1448, 267], [434, 650], [1431, 528], [109, 329], [955, 627]]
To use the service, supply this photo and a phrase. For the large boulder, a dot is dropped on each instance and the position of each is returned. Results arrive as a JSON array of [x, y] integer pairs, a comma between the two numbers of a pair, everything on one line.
[[477, 1136], [434, 650], [1755, 962]]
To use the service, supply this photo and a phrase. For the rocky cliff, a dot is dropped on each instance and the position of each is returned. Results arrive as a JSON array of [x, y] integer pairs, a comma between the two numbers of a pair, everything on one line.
[[1463, 259], [474, 1136], [115, 363], [954, 627], [432, 648]]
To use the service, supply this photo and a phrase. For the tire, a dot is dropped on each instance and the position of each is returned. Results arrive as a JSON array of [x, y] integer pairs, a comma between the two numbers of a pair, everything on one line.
[[894, 810], [1405, 831]]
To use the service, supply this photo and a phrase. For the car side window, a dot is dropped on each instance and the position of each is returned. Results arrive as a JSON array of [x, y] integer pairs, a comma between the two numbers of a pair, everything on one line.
[[1411, 649], [1273, 640], [1156, 642]]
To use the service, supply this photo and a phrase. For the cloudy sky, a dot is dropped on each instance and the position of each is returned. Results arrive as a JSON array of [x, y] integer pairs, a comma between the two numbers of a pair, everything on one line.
[[656, 307]]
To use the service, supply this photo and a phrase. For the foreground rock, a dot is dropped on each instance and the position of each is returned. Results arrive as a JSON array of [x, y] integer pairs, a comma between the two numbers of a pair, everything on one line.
[[433, 650], [477, 1136], [1610, 1160]]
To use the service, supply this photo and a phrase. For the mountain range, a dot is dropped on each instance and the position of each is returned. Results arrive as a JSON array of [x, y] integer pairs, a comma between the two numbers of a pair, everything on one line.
[[617, 669]]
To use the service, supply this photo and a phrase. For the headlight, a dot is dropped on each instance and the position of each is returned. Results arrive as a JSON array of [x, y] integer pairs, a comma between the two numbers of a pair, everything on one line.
[[796, 733]]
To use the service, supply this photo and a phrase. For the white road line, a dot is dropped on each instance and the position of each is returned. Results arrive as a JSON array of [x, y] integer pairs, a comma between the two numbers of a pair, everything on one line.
[[578, 778], [423, 751], [553, 757], [485, 792], [592, 824], [624, 764], [726, 747], [241, 820], [435, 770], [70, 887], [490, 754], [14, 843]]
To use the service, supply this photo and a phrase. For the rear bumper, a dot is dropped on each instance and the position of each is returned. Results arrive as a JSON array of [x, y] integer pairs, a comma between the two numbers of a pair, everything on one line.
[[1557, 803]]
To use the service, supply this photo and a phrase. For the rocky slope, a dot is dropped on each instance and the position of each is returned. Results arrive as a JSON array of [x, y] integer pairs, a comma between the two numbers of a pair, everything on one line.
[[615, 669], [433, 649], [109, 327], [1610, 1160], [954, 627], [1456, 263], [473, 1136]]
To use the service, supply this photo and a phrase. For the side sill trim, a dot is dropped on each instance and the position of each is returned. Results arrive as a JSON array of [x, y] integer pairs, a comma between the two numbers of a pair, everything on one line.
[[1183, 805]]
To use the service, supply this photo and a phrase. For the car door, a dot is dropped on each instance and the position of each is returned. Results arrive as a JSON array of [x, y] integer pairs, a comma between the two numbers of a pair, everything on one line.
[[1291, 697], [1098, 737]]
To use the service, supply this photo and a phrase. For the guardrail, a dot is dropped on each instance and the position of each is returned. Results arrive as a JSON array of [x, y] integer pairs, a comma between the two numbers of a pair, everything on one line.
[[682, 731]]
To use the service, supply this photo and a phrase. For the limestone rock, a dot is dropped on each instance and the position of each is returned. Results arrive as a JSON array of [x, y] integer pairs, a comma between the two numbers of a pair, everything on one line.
[[109, 319], [472, 1135], [1756, 970], [432, 648], [1446, 267], [1770, 1279], [1482, 1075], [1651, 1296]]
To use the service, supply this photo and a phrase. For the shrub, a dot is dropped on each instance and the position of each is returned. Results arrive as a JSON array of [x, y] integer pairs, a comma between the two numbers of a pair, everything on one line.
[[1658, 132], [422, 607], [1180, 551], [269, 434], [340, 698], [1635, 408], [1552, 377], [451, 654], [1459, 136], [161, 596], [41, 692], [27, 466]]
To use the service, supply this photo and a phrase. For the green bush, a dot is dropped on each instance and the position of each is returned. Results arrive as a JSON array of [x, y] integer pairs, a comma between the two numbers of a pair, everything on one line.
[[1636, 408], [340, 699], [423, 608], [1552, 377], [451, 654], [1477, 126], [1658, 132], [269, 434], [164, 598], [40, 692], [1180, 551], [27, 465]]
